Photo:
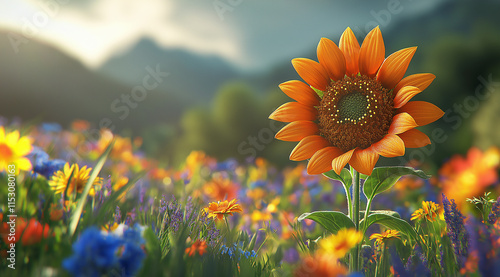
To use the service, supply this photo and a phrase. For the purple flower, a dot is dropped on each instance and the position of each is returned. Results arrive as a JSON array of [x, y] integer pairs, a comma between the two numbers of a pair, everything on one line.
[[495, 212], [456, 230]]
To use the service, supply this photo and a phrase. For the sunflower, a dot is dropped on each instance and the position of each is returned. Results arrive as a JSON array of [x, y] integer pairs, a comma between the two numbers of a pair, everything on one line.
[[13, 151], [218, 210], [355, 105], [60, 180]]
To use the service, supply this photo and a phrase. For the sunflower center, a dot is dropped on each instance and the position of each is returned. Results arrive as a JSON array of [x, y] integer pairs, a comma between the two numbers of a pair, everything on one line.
[[355, 112], [352, 107]]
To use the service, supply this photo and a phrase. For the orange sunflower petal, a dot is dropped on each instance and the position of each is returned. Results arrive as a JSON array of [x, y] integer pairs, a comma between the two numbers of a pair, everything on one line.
[[401, 123], [414, 139], [339, 162], [364, 160], [331, 58], [371, 53], [293, 111], [350, 47], [423, 112], [300, 92], [394, 67], [306, 148], [312, 72], [390, 146], [404, 95], [321, 161], [297, 130], [421, 81]]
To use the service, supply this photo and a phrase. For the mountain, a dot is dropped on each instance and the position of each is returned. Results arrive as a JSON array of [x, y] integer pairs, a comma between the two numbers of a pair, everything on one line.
[[196, 77], [39, 81]]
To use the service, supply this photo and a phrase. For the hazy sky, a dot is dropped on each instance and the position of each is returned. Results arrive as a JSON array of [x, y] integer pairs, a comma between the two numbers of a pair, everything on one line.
[[251, 34]]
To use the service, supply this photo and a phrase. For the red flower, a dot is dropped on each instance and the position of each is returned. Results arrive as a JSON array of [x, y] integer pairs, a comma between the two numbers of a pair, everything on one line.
[[28, 232]]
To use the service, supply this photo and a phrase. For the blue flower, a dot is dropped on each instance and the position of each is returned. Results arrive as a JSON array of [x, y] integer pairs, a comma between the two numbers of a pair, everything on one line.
[[97, 253], [43, 165], [94, 254]]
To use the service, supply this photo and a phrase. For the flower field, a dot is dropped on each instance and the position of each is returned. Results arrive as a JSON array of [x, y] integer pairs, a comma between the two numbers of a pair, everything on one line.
[[359, 167], [101, 208]]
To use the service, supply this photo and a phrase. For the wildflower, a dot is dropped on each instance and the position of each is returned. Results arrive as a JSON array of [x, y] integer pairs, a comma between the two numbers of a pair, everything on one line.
[[387, 235], [98, 253], [218, 210], [360, 109], [59, 182], [28, 232], [56, 212], [466, 177], [13, 151], [495, 212], [456, 230], [236, 251], [429, 211], [220, 188], [340, 243], [199, 246], [320, 265]]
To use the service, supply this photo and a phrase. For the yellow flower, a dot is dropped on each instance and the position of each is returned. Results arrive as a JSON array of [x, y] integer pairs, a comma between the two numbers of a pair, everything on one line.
[[260, 216], [218, 209], [12, 151], [340, 243], [80, 177], [429, 211], [389, 234]]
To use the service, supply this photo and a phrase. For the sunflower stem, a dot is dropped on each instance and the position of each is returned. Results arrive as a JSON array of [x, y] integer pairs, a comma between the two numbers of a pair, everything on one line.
[[354, 261]]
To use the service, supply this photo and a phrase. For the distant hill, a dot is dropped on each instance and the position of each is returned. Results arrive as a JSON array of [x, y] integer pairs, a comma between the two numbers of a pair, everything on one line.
[[42, 82], [196, 77]]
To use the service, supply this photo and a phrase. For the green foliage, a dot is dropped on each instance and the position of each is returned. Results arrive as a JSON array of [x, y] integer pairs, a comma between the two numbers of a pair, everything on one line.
[[390, 222], [383, 178], [332, 221]]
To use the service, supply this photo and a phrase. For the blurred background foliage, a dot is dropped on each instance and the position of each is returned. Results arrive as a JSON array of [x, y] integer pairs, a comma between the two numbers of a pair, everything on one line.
[[220, 110]]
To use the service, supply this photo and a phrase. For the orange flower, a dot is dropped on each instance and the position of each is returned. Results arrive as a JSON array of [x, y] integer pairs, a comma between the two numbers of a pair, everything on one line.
[[466, 177], [360, 109], [320, 265], [198, 245], [218, 209], [220, 188]]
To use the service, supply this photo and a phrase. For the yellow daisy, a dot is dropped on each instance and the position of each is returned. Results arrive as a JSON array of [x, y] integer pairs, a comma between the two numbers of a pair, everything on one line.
[[340, 243], [12, 151], [60, 179]]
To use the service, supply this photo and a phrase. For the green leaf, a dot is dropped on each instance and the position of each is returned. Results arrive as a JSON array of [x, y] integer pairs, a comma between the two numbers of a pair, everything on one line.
[[383, 178], [344, 177], [83, 197], [387, 212], [319, 92], [390, 222], [330, 220]]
